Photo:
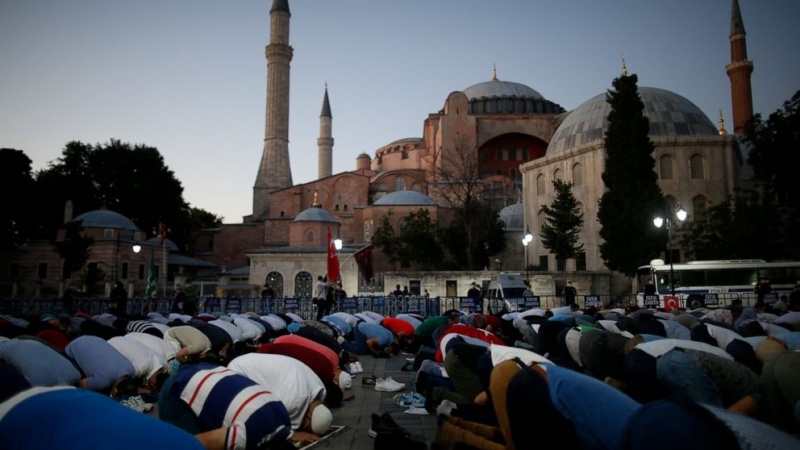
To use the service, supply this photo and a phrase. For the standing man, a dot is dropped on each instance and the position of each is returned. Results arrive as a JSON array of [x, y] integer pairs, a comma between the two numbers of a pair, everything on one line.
[[569, 294], [190, 298], [321, 294], [118, 300]]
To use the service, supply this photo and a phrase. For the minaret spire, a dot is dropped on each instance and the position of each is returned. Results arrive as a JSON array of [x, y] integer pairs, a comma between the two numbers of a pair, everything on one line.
[[325, 139], [739, 71], [624, 67], [494, 72], [274, 171]]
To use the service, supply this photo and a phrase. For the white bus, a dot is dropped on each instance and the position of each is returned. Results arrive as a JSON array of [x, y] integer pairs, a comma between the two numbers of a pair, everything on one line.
[[714, 283]]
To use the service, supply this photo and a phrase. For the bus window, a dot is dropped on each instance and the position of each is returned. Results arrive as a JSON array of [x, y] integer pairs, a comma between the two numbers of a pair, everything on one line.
[[718, 277], [694, 278], [743, 277]]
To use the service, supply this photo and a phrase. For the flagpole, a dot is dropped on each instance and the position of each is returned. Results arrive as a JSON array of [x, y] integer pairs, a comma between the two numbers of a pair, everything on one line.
[[164, 253]]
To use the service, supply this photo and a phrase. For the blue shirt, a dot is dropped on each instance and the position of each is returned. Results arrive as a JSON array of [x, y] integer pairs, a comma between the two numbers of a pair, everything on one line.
[[57, 418], [373, 330], [101, 363], [40, 364]]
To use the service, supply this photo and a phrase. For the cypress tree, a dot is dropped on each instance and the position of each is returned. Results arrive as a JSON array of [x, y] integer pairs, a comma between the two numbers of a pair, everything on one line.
[[563, 220], [633, 197]]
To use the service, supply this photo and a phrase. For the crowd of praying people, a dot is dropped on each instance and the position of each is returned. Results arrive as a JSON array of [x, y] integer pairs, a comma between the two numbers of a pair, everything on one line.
[[560, 378]]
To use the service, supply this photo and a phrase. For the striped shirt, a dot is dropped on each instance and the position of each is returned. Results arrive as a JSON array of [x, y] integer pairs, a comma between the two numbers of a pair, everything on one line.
[[220, 397]]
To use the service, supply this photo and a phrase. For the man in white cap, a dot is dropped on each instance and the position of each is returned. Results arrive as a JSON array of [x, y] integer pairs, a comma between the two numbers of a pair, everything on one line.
[[294, 383]]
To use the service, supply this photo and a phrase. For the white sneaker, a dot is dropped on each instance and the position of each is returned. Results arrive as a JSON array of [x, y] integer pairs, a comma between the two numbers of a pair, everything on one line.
[[388, 385], [359, 367], [137, 403]]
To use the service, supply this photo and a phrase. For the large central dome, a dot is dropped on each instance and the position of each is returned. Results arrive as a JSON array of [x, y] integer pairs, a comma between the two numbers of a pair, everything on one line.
[[497, 88], [506, 97], [670, 115]]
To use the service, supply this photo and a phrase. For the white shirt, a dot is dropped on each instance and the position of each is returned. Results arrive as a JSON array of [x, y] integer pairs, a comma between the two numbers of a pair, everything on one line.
[[158, 345], [274, 321], [249, 328], [502, 353], [289, 379], [791, 318], [234, 331], [659, 347], [349, 318], [723, 336], [146, 362]]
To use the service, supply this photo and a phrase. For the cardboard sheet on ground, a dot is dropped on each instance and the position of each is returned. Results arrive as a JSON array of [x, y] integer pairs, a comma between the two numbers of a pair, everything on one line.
[[332, 431]]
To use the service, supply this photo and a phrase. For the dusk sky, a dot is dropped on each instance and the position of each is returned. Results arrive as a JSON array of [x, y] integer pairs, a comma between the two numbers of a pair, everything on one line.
[[189, 76]]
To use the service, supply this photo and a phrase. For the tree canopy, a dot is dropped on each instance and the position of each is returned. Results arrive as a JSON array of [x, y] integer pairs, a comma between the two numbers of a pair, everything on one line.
[[16, 195], [632, 196], [563, 221]]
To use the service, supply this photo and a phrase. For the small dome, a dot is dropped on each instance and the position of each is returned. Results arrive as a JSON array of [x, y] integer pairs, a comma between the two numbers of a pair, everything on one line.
[[512, 217], [399, 198], [364, 155], [497, 88], [104, 218], [670, 115], [314, 214], [156, 242]]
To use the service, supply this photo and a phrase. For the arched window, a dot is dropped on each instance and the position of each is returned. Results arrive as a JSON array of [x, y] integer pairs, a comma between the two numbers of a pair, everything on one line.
[[303, 285], [540, 184], [540, 219], [399, 184], [558, 175], [310, 236], [699, 205], [416, 187], [665, 167], [368, 230], [512, 173], [577, 174], [275, 281], [696, 168]]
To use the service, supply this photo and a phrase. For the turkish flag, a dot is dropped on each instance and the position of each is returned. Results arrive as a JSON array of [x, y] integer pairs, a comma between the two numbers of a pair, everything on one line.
[[333, 260]]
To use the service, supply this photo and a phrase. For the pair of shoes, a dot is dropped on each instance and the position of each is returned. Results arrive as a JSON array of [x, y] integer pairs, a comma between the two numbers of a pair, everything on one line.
[[368, 381], [137, 403], [445, 408], [409, 399], [355, 368], [384, 424], [388, 385]]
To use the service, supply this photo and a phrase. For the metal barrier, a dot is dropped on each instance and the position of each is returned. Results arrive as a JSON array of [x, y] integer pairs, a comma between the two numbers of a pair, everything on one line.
[[386, 305]]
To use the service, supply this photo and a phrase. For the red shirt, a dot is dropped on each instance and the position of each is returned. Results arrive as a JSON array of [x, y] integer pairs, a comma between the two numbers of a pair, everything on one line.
[[398, 326]]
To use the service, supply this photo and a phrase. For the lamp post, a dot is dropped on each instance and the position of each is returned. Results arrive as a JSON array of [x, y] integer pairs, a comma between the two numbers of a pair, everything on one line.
[[525, 241], [658, 222]]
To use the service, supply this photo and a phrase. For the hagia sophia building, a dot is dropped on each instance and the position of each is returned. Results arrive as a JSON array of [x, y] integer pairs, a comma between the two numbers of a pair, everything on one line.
[[523, 142]]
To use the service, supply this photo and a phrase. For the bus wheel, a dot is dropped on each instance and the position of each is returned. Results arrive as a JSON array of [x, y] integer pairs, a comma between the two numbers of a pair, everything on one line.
[[695, 301]]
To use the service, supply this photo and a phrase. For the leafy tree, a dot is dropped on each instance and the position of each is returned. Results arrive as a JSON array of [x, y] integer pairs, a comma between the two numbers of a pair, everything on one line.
[[203, 219], [563, 220], [416, 241], [744, 227], [16, 195], [475, 234], [775, 157], [632, 196], [129, 179], [74, 249]]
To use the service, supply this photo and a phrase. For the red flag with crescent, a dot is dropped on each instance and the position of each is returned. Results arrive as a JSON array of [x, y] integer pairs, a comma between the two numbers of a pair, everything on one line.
[[333, 260]]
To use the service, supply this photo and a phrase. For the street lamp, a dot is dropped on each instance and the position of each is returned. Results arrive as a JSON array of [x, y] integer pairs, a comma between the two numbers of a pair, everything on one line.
[[525, 241], [658, 222], [337, 243]]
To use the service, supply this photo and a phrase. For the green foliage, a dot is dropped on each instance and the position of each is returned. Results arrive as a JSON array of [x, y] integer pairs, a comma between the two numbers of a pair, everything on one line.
[[563, 221], [632, 196], [416, 241], [745, 227], [202, 219], [760, 223], [16, 197], [74, 249], [474, 235], [129, 179]]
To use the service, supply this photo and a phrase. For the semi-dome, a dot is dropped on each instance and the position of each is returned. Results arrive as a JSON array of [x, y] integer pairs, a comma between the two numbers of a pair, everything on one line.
[[314, 214], [104, 218], [399, 198], [512, 217], [670, 115], [168, 243]]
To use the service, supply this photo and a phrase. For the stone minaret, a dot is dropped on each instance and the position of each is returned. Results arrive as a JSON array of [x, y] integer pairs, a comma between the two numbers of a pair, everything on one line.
[[739, 71], [274, 172], [325, 140]]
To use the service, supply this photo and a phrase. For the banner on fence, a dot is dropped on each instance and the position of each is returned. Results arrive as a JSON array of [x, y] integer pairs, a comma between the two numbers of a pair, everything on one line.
[[349, 303], [291, 304], [711, 299], [651, 301], [591, 300]]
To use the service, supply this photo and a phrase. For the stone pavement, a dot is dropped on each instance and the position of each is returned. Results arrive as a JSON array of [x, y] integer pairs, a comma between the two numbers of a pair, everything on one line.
[[356, 413]]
